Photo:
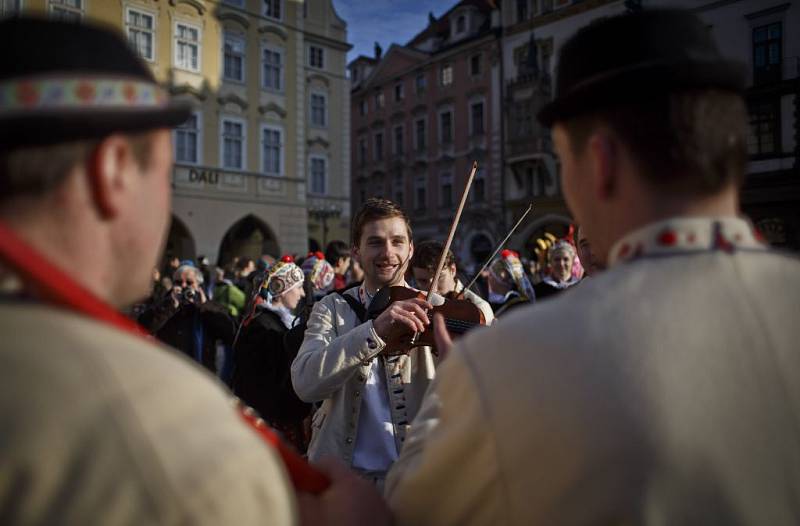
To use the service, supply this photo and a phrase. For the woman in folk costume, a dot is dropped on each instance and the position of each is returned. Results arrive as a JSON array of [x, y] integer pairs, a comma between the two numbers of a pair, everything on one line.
[[319, 272], [261, 378], [509, 286], [560, 259]]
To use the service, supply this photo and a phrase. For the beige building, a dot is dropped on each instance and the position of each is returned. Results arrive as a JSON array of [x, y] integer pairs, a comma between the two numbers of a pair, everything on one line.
[[262, 166]]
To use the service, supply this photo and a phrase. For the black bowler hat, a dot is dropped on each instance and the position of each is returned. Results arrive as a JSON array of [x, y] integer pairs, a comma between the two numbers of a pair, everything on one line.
[[636, 56], [63, 81]]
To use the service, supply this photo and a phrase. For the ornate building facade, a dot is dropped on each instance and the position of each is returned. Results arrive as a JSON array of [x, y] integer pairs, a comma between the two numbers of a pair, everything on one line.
[[421, 114], [262, 166]]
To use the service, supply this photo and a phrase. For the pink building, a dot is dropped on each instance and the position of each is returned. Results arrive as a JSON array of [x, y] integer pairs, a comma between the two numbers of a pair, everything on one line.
[[421, 114]]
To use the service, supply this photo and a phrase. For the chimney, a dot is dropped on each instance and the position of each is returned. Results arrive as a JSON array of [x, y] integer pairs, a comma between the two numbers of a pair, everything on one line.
[[378, 51]]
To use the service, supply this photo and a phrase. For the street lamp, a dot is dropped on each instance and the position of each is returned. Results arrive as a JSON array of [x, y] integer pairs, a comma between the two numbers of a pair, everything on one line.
[[322, 213]]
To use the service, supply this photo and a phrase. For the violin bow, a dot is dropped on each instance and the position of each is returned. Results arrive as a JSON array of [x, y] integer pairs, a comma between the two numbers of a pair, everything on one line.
[[499, 246], [449, 241]]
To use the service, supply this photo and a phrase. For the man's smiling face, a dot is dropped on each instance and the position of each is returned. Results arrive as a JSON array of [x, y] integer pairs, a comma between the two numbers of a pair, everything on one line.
[[384, 251]]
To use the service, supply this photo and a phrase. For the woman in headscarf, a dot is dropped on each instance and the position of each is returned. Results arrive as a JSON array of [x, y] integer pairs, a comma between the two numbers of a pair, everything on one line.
[[509, 287], [262, 371]]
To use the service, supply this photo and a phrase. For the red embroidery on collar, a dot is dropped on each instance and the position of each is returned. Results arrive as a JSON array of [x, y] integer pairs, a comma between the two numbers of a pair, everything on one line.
[[667, 238]]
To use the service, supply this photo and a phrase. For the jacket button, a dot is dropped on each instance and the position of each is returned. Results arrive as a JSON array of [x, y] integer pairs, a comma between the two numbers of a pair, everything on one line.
[[371, 343], [361, 377], [349, 440], [358, 393]]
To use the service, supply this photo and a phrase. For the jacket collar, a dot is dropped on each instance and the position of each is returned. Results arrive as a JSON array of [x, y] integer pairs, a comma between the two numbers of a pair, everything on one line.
[[684, 235]]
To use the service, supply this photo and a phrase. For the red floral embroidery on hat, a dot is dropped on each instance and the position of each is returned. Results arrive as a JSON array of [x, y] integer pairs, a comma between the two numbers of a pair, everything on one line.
[[27, 94], [759, 236], [287, 259], [85, 91], [506, 253], [319, 255], [624, 250], [129, 92]]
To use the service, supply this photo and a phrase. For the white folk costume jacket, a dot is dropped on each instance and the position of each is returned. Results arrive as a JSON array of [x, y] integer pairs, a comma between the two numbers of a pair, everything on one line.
[[663, 391], [333, 365], [102, 427]]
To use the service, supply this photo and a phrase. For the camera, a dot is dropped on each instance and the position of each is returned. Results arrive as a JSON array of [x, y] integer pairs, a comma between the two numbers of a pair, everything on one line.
[[188, 295]]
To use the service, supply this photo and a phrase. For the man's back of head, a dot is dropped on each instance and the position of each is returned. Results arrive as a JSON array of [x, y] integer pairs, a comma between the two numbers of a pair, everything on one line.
[[666, 111], [85, 152]]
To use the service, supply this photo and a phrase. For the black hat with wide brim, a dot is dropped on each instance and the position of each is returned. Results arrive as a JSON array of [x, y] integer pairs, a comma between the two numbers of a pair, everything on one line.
[[64, 81], [635, 56]]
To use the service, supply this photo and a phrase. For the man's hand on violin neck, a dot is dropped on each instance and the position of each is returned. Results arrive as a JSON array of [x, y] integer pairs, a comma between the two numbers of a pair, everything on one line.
[[403, 316]]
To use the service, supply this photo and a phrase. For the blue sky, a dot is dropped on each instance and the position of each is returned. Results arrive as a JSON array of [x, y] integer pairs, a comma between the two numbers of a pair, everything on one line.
[[385, 21]]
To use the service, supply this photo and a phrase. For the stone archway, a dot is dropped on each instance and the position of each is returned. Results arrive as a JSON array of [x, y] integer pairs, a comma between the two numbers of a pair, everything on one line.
[[249, 237], [179, 241]]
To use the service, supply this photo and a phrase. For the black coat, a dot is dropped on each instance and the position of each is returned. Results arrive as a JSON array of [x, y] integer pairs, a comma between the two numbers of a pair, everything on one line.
[[175, 327], [262, 371]]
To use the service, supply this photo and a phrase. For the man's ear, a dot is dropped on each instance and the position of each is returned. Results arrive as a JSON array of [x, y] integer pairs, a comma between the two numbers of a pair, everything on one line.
[[107, 170], [603, 164]]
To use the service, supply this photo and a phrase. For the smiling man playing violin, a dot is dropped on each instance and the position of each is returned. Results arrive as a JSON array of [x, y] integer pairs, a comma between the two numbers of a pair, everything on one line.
[[369, 398]]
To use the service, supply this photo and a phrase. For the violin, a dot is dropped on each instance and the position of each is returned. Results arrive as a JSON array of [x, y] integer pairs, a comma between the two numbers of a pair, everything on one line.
[[460, 316]]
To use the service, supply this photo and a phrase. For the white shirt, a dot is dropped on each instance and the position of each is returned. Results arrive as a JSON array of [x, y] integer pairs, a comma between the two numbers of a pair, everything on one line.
[[375, 448]]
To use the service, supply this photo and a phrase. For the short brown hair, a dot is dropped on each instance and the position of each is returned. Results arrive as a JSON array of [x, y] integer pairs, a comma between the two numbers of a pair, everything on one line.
[[691, 142], [35, 171], [427, 254], [375, 209]]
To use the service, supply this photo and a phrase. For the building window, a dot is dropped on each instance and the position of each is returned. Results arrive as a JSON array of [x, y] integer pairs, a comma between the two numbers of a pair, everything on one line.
[[363, 107], [319, 110], [398, 92], [67, 10], [446, 127], [272, 9], [362, 151], [233, 141], [461, 24], [271, 69], [420, 197], [420, 83], [763, 137], [420, 129], [187, 47], [316, 57], [475, 65], [187, 141], [446, 190], [479, 187], [318, 176], [271, 151], [379, 146], [522, 10], [10, 7], [767, 53], [446, 75], [476, 118], [140, 27], [523, 120], [233, 58], [398, 140], [379, 99]]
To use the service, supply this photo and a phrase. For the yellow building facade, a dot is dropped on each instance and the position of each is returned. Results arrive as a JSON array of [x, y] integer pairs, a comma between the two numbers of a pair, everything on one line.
[[262, 166]]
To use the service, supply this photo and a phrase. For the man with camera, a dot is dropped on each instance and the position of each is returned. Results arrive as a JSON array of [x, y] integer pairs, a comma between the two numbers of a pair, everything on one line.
[[187, 321]]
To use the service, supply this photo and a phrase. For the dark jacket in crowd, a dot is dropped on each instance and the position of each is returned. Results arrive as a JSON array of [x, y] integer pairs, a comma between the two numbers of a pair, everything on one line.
[[262, 377], [191, 328]]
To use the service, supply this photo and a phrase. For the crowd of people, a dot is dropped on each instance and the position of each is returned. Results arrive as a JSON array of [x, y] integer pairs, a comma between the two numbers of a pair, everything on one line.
[[663, 390]]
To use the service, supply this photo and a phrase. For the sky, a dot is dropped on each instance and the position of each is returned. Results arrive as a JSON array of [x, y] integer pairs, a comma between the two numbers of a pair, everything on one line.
[[385, 21]]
